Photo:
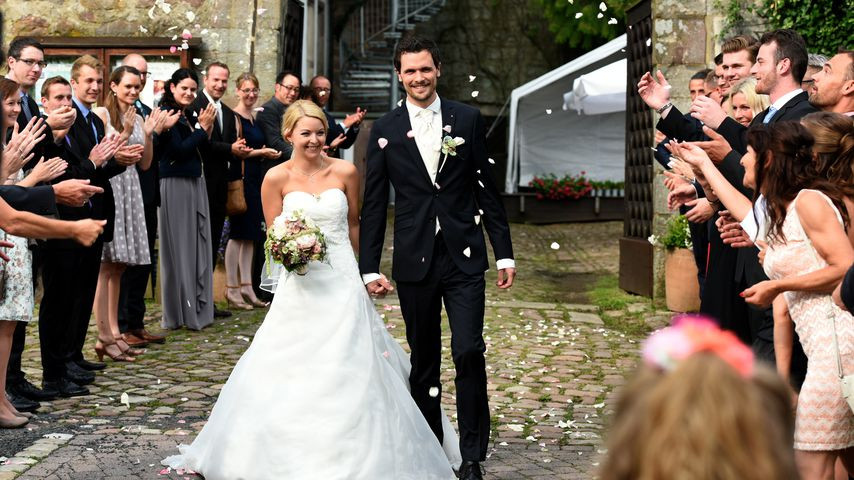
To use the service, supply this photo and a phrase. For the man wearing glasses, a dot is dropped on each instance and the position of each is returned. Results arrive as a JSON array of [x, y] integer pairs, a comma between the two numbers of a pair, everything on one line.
[[270, 117], [339, 137]]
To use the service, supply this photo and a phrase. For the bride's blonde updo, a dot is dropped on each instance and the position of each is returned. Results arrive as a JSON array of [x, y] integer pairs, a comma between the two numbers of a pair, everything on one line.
[[298, 110]]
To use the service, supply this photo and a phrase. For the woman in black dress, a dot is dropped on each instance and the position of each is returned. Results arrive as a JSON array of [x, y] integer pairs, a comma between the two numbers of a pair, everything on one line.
[[248, 228]]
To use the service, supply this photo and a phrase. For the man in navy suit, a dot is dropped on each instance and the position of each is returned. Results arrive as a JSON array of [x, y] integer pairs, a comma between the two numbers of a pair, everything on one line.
[[443, 202]]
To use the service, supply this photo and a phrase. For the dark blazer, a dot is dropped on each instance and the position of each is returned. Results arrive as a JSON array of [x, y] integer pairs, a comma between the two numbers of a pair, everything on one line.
[[462, 188], [78, 144], [270, 121], [46, 148], [178, 150], [40, 200], [334, 130], [148, 178], [216, 153], [681, 127]]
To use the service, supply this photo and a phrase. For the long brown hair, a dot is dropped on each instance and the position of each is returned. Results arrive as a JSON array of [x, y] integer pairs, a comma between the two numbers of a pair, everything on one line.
[[701, 421], [833, 150], [112, 103], [784, 167]]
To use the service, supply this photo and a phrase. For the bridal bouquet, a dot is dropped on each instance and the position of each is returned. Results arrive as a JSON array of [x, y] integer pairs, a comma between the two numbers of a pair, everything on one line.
[[294, 240]]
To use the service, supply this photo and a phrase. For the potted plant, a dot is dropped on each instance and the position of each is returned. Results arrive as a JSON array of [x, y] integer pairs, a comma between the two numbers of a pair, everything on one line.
[[682, 289]]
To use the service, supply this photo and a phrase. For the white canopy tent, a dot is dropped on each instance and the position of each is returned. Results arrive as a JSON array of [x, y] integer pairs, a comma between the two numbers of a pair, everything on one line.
[[588, 134]]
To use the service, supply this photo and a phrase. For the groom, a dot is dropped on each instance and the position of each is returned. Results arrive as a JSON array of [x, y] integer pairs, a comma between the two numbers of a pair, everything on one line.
[[439, 249]]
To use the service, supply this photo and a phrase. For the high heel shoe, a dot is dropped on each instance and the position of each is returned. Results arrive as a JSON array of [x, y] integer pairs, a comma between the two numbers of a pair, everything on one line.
[[127, 349], [14, 422], [236, 302], [251, 298], [101, 350]]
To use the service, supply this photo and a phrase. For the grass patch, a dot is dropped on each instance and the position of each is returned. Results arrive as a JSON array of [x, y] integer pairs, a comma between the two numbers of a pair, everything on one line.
[[607, 295]]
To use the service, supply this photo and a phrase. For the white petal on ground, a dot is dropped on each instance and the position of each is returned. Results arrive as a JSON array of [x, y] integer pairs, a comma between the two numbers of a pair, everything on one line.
[[125, 399], [516, 428], [548, 111]]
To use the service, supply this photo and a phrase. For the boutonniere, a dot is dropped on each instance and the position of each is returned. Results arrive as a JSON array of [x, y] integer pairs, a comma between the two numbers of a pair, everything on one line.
[[449, 147]]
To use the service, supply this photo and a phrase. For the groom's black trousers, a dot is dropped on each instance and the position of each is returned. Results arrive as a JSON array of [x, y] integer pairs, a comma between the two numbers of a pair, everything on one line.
[[421, 305]]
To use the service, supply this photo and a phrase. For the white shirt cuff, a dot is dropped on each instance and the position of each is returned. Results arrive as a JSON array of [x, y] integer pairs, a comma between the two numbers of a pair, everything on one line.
[[370, 277], [505, 263]]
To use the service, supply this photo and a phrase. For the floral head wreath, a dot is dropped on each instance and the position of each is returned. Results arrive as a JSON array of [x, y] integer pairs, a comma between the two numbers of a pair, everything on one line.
[[690, 334]]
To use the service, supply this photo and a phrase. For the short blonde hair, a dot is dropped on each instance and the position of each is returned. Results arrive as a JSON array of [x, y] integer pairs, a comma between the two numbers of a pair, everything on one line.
[[85, 60], [757, 101], [300, 109]]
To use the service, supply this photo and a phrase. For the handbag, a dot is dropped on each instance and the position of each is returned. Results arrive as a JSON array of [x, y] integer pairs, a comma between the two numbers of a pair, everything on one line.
[[847, 381], [235, 203]]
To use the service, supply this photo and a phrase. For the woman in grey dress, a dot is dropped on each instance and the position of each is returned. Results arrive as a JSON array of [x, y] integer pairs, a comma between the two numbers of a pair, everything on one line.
[[185, 233], [130, 240]]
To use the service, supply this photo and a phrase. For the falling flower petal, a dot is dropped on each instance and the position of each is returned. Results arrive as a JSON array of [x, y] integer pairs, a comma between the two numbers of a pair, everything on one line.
[[191, 16], [165, 471], [400, 102], [173, 27], [603, 7], [259, 109], [125, 399], [612, 21], [174, 37], [143, 29], [382, 142], [472, 77], [434, 392], [197, 61], [385, 354], [410, 134], [186, 35], [491, 161], [151, 12], [447, 128], [480, 211], [555, 246], [600, 15], [480, 183], [648, 42], [474, 94], [548, 111], [579, 14], [477, 219], [467, 252], [261, 11], [173, 49]]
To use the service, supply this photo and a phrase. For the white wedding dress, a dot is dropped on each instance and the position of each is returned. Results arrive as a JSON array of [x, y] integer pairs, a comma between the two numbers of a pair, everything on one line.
[[323, 391]]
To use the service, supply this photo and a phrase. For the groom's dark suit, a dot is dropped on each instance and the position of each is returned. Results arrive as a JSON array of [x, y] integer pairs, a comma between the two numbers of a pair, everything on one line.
[[430, 268]]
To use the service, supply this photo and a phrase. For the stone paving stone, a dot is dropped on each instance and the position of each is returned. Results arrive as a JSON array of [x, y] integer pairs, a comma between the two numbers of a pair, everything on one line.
[[553, 366]]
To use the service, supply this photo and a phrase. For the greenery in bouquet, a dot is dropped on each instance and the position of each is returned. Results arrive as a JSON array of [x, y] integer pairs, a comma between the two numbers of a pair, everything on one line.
[[677, 235], [295, 240], [567, 187]]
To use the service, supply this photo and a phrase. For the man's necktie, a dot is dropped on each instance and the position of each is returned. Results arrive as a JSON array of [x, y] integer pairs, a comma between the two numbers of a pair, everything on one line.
[[25, 106], [92, 125], [769, 115]]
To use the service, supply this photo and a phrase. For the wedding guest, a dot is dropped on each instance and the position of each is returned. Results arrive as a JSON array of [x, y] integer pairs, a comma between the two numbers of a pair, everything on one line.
[[815, 64], [185, 233], [223, 149], [745, 102], [339, 137], [834, 85], [135, 278], [700, 396], [69, 272], [270, 117], [247, 229], [129, 245]]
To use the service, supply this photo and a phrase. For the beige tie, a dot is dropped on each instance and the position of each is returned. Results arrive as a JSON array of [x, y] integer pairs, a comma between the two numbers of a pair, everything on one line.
[[426, 143]]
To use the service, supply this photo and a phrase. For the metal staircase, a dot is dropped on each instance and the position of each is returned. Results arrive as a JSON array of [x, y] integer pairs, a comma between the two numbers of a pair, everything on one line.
[[366, 47]]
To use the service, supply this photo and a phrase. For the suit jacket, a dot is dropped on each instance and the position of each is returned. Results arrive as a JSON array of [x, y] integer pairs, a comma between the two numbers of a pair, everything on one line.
[[46, 148], [148, 179], [270, 121], [681, 127], [462, 189], [216, 153], [78, 144], [40, 200], [336, 129]]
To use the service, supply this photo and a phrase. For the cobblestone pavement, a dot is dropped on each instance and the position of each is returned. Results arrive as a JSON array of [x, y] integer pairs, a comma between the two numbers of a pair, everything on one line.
[[554, 360]]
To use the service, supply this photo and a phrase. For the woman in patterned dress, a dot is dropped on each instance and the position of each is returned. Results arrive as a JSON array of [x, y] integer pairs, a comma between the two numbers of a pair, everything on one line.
[[248, 228], [130, 241]]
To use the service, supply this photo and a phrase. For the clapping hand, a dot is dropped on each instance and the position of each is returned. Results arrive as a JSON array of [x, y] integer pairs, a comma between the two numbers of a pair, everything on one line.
[[168, 120], [128, 121], [355, 118], [105, 150], [269, 153], [155, 119], [681, 195], [708, 111], [337, 141], [18, 151], [239, 148], [379, 287], [206, 118], [654, 93], [128, 155], [60, 120], [47, 170], [690, 153], [716, 148]]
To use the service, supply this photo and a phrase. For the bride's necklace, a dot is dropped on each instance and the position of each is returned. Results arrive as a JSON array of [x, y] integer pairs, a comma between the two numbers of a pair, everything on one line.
[[311, 175]]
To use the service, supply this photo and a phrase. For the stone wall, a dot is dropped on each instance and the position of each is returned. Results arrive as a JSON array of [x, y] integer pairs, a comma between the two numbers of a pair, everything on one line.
[[223, 26], [503, 43]]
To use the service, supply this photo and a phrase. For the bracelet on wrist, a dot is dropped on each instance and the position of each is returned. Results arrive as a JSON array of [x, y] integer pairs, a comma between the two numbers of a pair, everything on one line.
[[663, 108]]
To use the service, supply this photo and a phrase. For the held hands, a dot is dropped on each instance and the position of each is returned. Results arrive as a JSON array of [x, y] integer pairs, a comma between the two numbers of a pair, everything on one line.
[[505, 278], [60, 120], [239, 149], [47, 170], [87, 231], [74, 193], [379, 287], [355, 118], [708, 111], [654, 93], [717, 148], [206, 118]]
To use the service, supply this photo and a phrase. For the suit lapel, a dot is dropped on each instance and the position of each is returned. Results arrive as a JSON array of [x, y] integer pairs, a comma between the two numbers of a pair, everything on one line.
[[449, 120], [404, 126], [790, 104], [83, 135]]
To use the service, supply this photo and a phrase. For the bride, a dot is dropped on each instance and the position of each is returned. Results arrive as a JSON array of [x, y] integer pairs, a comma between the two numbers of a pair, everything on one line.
[[322, 392]]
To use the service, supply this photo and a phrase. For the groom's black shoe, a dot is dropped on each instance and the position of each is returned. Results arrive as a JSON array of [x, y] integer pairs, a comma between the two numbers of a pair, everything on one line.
[[221, 313], [471, 471]]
